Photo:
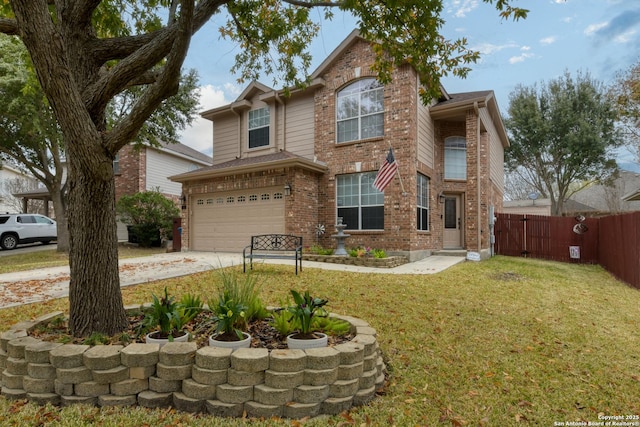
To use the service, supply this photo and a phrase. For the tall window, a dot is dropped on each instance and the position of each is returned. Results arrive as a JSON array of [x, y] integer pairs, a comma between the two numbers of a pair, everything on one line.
[[259, 127], [359, 111], [455, 158], [423, 203], [359, 204]]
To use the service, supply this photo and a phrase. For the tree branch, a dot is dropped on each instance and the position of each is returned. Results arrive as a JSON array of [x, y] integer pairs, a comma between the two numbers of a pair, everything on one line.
[[8, 26], [310, 4]]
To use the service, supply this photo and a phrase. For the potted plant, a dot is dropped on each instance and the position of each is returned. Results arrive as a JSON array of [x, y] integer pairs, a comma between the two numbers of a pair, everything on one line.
[[168, 317], [303, 311], [230, 318]]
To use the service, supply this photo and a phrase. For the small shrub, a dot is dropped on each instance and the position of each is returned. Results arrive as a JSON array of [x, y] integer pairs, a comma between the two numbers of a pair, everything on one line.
[[243, 291], [379, 253], [331, 326], [96, 338], [319, 250]]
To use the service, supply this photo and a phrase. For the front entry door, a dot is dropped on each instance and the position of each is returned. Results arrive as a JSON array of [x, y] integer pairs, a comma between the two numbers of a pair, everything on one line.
[[452, 223]]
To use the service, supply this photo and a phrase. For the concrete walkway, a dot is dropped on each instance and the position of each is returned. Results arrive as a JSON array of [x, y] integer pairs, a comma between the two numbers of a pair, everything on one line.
[[26, 287]]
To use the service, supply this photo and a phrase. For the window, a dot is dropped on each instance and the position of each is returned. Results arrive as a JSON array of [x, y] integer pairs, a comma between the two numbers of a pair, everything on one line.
[[259, 127], [359, 111], [423, 203], [455, 158], [359, 204]]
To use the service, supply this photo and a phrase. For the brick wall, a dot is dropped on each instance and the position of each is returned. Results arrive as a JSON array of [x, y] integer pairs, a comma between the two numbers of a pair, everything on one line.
[[131, 177]]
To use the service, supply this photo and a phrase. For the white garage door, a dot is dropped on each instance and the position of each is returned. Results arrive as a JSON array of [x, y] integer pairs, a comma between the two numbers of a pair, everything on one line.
[[226, 221]]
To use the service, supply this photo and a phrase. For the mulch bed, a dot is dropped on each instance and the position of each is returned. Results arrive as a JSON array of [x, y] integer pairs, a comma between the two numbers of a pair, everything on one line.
[[263, 334]]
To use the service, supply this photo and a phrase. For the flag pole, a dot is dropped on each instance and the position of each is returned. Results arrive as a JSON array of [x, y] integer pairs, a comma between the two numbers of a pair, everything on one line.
[[404, 193]]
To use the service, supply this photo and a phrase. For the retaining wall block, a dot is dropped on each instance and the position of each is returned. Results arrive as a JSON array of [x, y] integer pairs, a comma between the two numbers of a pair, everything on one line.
[[364, 396], [310, 393], [74, 375], [250, 359], [109, 376], [68, 356], [10, 335], [272, 396], [12, 381], [368, 379], [39, 352], [283, 379], [102, 357], [187, 404], [320, 376], [370, 362], [44, 398], [63, 389], [164, 386], [292, 360], [107, 400], [37, 385], [15, 348], [13, 393], [152, 399], [213, 358], [336, 405], [322, 358], [45, 371], [91, 389], [167, 372], [16, 366], [129, 387], [178, 353], [142, 372], [3, 359], [344, 388], [301, 410], [140, 355], [260, 410], [350, 372], [350, 353], [209, 376], [365, 330], [195, 390], [368, 341], [234, 394], [222, 409], [242, 378]]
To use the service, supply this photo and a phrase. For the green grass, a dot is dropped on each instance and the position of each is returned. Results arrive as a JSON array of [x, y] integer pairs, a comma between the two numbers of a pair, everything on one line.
[[507, 341], [50, 258]]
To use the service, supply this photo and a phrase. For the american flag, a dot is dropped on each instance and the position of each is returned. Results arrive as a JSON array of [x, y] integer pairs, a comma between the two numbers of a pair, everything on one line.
[[386, 172]]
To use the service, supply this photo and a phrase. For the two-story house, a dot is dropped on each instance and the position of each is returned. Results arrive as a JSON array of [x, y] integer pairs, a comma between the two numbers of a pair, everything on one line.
[[294, 164]]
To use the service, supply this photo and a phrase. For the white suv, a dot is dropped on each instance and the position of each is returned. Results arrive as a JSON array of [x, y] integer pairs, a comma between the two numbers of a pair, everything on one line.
[[17, 229]]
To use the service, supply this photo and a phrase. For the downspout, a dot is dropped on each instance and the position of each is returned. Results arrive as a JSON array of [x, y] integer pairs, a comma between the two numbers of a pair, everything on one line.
[[476, 109]]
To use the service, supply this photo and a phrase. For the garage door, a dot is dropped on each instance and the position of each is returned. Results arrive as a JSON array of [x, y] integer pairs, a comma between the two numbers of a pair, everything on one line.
[[226, 221]]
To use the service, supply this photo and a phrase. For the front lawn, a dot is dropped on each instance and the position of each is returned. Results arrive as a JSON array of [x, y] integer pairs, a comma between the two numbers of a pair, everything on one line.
[[508, 341]]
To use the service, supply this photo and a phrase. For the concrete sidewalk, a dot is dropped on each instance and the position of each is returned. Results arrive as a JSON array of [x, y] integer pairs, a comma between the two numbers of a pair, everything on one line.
[[48, 283]]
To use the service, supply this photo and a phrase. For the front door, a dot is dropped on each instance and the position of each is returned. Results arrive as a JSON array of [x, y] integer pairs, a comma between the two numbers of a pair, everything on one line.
[[452, 222]]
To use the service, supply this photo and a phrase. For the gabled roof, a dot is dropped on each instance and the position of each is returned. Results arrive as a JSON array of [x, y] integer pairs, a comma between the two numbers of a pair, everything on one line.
[[282, 159], [353, 37], [458, 103], [185, 151]]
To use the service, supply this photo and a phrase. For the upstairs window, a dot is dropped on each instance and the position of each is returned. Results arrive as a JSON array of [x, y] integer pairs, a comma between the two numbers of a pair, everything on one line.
[[116, 164], [360, 111], [259, 127], [455, 158]]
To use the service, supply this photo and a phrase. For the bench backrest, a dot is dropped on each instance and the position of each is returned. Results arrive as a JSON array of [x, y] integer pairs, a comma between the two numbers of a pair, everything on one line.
[[276, 242]]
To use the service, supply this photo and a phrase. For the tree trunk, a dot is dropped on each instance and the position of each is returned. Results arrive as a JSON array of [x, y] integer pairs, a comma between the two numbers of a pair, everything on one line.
[[60, 210], [95, 299]]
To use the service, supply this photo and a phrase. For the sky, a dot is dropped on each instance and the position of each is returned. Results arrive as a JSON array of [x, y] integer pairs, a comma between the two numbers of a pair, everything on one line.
[[599, 37]]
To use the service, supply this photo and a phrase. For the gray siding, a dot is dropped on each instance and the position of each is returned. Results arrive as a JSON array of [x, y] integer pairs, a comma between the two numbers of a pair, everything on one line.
[[300, 126], [225, 138], [425, 136]]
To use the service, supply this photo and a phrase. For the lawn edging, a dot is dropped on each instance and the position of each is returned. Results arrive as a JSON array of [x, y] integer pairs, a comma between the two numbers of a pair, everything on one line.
[[256, 381]]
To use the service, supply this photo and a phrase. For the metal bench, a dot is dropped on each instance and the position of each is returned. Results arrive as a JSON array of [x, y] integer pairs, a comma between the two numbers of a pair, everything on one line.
[[273, 246]]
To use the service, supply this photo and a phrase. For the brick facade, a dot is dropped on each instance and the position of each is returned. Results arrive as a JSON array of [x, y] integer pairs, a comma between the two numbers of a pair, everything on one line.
[[313, 199]]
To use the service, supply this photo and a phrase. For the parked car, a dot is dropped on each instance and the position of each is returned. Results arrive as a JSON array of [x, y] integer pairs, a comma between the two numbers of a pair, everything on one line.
[[16, 229]]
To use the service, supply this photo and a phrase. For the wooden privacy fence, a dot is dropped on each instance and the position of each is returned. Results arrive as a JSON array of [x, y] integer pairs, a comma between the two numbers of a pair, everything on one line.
[[611, 241]]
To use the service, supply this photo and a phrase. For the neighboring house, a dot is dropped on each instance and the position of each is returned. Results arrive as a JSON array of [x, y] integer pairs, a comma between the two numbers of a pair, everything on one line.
[[527, 207], [12, 181], [600, 200], [294, 164], [147, 168]]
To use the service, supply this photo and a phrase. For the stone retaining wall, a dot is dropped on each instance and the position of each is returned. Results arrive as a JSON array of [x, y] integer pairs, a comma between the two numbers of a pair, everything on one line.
[[262, 383], [388, 262]]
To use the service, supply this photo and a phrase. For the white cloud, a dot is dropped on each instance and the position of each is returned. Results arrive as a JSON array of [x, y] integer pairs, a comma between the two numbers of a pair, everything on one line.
[[593, 28], [520, 58], [488, 48], [460, 8], [625, 37], [548, 40], [200, 135]]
